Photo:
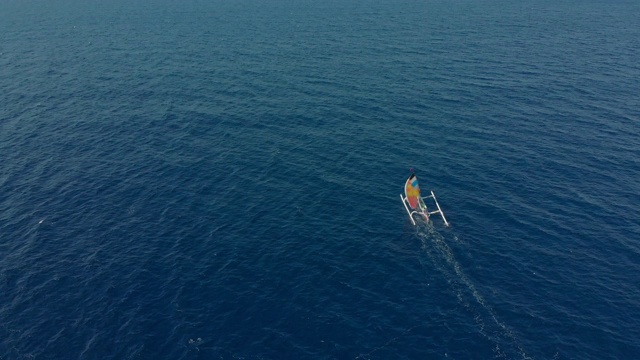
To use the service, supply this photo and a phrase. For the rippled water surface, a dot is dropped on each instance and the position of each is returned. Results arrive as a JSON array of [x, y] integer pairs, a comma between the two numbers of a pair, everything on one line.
[[220, 179]]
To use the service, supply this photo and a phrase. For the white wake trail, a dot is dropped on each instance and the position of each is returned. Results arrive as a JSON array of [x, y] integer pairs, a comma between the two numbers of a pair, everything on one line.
[[441, 256]]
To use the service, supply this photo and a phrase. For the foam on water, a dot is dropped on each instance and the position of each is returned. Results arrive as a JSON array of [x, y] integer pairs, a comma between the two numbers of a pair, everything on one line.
[[442, 257]]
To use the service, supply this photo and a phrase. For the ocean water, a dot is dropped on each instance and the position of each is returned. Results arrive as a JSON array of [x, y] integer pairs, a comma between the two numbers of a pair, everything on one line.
[[220, 179]]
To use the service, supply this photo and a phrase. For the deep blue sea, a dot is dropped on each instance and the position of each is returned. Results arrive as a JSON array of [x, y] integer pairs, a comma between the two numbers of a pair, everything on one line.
[[215, 179]]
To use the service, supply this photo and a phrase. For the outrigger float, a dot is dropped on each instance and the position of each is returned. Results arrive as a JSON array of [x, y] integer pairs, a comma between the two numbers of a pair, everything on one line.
[[414, 203]]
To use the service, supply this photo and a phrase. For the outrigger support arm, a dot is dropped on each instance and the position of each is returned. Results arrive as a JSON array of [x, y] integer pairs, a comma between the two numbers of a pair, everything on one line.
[[423, 207], [439, 210]]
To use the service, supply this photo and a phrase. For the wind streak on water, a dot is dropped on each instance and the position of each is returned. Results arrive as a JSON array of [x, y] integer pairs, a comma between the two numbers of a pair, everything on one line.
[[442, 258]]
